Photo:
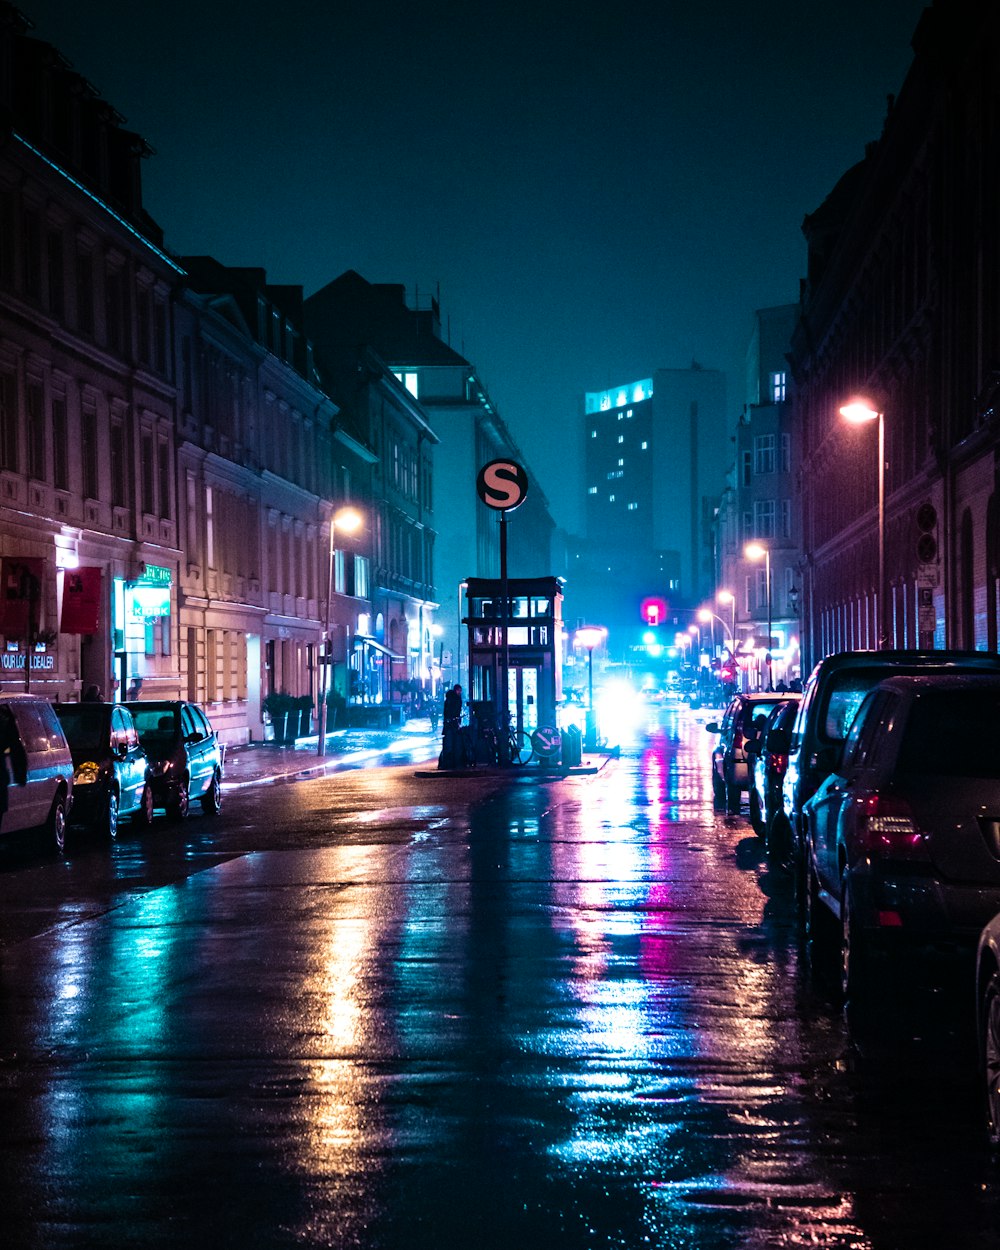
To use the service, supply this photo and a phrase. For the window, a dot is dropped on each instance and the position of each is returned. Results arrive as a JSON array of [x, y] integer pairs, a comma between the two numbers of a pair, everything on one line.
[[35, 404], [786, 518], [748, 526], [763, 453], [786, 453], [593, 433], [85, 293], [763, 518], [621, 438], [60, 440], [119, 485], [591, 490], [163, 465], [148, 475], [411, 381], [633, 507], [8, 421], [31, 244], [57, 277], [644, 445], [88, 436], [620, 463], [777, 388], [361, 577], [746, 470], [209, 529]]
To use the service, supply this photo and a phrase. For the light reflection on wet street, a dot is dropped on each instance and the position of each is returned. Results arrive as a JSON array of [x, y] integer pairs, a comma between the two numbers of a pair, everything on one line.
[[470, 1014]]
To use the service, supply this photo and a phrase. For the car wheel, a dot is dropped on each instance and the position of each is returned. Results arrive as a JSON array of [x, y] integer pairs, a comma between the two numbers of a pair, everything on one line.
[[989, 1049], [55, 826], [144, 814], [755, 816], [777, 840], [212, 799], [734, 796], [109, 821], [180, 804], [855, 950]]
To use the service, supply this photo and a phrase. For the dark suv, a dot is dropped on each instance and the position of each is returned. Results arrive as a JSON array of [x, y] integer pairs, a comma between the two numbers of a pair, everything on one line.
[[730, 766], [110, 769], [185, 756], [830, 700]]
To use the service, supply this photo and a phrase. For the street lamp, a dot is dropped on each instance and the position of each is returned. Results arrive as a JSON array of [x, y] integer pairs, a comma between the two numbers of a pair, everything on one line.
[[590, 636], [859, 412], [758, 551], [727, 596], [349, 521]]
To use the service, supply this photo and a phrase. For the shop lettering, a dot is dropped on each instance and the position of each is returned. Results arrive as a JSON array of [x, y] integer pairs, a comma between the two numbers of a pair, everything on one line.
[[16, 661]]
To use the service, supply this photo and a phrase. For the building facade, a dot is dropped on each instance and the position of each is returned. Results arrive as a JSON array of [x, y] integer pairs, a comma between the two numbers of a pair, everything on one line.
[[759, 509], [407, 335], [88, 500], [655, 456], [901, 307]]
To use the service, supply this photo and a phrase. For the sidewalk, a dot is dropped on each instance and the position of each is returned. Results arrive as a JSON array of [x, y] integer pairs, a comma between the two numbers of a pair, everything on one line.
[[262, 762]]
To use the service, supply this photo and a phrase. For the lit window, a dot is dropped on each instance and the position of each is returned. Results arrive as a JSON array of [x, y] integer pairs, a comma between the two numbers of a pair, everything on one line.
[[592, 490], [411, 381], [621, 416], [628, 412], [777, 388], [611, 499], [621, 438], [645, 445], [593, 433], [633, 507], [620, 462]]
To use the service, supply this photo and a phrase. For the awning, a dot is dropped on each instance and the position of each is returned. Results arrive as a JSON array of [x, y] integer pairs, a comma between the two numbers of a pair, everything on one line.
[[371, 644]]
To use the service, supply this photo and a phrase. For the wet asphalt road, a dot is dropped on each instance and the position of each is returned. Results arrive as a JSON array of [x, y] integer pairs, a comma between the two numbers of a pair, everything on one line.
[[372, 1011]]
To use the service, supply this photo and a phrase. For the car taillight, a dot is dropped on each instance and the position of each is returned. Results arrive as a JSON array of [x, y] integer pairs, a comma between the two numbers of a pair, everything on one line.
[[777, 763], [738, 740], [886, 827]]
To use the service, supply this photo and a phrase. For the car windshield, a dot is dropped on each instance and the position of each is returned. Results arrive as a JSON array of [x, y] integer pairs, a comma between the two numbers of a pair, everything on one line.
[[85, 726], [952, 733], [157, 726]]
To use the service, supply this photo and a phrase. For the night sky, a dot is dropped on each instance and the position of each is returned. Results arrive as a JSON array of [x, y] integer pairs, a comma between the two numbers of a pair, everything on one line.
[[597, 190]]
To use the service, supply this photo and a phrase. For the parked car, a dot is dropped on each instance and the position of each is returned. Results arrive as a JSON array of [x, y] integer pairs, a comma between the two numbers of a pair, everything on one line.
[[988, 1021], [831, 697], [769, 759], [111, 772], [40, 753], [186, 759], [903, 838], [730, 767]]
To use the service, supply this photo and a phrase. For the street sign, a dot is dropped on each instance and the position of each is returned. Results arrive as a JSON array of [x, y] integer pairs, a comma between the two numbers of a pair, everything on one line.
[[502, 485]]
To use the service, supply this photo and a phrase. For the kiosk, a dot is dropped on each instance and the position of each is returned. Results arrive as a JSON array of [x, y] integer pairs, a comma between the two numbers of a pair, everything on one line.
[[520, 648]]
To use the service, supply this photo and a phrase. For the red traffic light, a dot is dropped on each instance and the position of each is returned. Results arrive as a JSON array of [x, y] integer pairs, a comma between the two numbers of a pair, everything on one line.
[[653, 611]]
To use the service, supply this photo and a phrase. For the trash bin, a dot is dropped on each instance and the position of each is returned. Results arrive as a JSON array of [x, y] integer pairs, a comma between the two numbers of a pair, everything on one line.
[[572, 747]]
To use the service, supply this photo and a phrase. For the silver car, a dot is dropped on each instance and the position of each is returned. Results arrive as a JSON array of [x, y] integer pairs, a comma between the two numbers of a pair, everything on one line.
[[40, 798]]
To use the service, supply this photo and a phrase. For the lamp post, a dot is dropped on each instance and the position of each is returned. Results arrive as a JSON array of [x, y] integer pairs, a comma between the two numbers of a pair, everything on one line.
[[859, 412], [727, 596], [349, 520], [758, 551], [590, 636]]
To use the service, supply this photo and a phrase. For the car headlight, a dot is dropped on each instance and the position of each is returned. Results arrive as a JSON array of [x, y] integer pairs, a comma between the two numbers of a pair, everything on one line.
[[87, 773]]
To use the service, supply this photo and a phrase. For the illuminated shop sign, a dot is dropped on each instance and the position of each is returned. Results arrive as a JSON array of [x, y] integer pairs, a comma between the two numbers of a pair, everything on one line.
[[619, 396], [15, 661], [150, 601]]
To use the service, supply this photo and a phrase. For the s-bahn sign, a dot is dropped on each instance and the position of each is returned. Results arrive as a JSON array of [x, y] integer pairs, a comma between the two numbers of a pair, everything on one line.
[[502, 485]]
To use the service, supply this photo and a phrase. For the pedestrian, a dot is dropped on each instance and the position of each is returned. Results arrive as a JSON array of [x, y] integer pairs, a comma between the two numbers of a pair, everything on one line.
[[92, 694], [450, 753], [13, 758], [134, 689]]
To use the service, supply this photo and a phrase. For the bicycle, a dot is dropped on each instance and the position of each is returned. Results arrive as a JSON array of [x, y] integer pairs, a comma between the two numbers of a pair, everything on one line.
[[506, 744]]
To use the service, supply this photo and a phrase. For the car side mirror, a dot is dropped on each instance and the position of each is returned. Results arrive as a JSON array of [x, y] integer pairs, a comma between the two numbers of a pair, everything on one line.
[[713, 727]]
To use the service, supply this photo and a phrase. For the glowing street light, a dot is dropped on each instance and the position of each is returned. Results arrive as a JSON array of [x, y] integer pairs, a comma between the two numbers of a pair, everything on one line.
[[758, 551], [349, 521], [727, 597], [590, 636], [860, 412]]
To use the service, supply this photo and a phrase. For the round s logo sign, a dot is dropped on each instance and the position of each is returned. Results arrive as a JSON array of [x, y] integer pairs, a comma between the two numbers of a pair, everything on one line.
[[502, 485]]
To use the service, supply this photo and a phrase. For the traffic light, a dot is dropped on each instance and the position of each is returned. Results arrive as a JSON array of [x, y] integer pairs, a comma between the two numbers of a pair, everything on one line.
[[927, 543], [653, 611]]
